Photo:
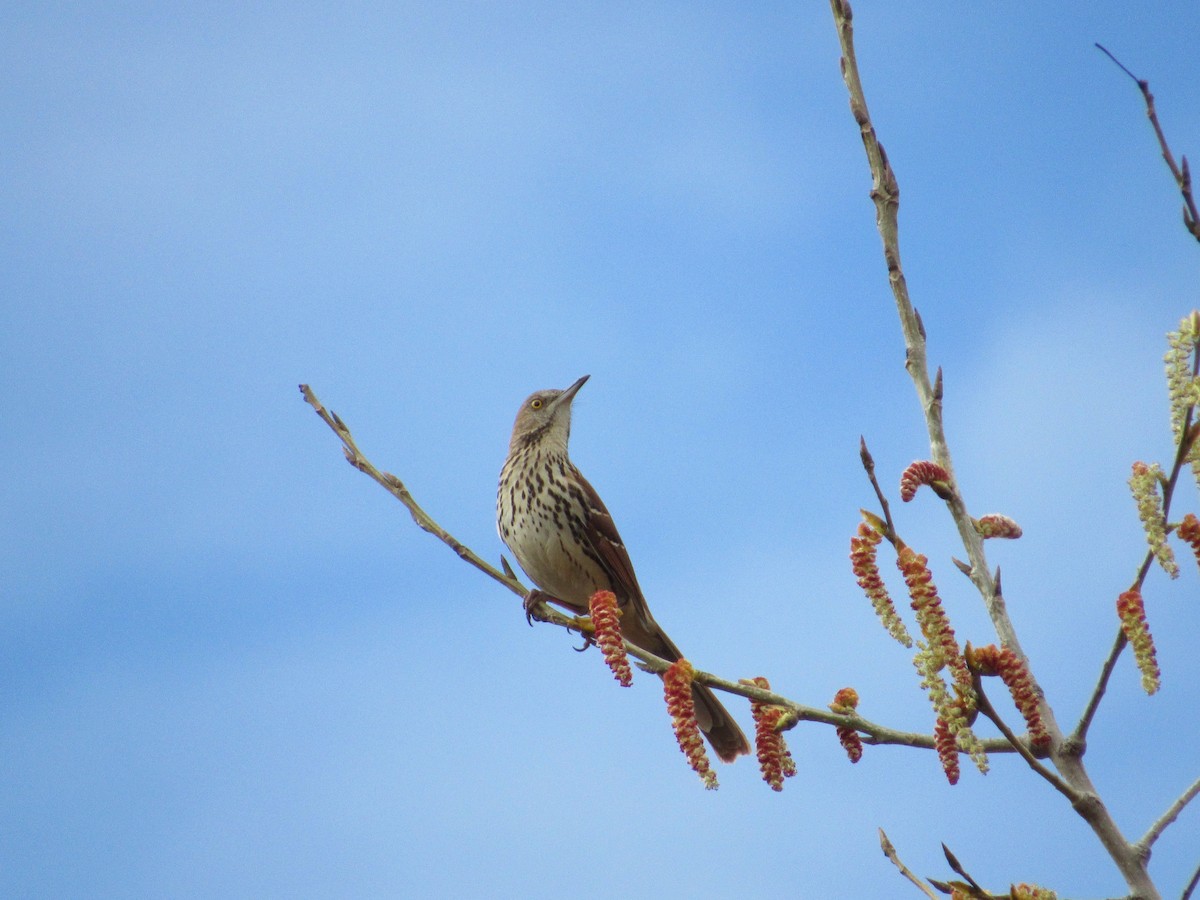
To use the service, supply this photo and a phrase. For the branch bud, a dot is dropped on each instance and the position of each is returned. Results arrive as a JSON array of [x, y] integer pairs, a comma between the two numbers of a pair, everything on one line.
[[1132, 610], [846, 701], [924, 472], [677, 689], [774, 760], [863, 561], [606, 623], [995, 525], [1144, 482]]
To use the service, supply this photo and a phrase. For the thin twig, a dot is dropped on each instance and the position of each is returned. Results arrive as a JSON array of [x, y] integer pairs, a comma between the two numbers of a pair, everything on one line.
[[1181, 173], [1077, 742], [885, 193], [961, 871], [397, 489], [868, 463], [889, 850], [1191, 885], [985, 706], [1172, 813]]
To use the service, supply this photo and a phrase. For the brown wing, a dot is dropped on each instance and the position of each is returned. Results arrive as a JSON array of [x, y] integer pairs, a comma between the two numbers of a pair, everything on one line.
[[714, 719], [611, 553]]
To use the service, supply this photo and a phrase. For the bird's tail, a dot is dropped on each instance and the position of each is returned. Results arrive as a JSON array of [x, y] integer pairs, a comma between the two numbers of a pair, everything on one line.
[[725, 735], [718, 725]]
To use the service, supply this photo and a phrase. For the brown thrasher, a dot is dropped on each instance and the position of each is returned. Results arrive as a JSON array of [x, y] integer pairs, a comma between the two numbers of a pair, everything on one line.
[[561, 533]]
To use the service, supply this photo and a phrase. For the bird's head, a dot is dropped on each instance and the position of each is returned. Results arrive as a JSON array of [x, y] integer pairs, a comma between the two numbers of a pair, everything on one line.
[[545, 416]]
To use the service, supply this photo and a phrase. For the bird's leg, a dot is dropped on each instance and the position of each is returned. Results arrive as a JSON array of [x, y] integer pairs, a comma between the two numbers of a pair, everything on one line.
[[533, 600], [536, 598], [588, 641]]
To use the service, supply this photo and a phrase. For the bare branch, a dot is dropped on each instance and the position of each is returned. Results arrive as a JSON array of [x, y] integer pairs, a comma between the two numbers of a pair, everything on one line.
[[1155, 831], [1191, 885], [868, 463], [1077, 741], [397, 489], [1181, 174], [985, 707], [889, 850]]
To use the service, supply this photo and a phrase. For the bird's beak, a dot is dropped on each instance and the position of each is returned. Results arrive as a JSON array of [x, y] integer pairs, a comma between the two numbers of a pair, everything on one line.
[[569, 394]]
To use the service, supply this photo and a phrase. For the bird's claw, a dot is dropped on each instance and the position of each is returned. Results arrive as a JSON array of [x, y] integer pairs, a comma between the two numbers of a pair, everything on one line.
[[533, 600], [588, 641]]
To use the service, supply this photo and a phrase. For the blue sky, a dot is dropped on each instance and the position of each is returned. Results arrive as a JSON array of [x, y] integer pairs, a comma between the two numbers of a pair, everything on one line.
[[233, 667]]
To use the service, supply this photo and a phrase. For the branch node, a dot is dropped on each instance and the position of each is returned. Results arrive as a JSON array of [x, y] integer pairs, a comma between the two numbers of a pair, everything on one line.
[[1072, 746], [1086, 803], [868, 461]]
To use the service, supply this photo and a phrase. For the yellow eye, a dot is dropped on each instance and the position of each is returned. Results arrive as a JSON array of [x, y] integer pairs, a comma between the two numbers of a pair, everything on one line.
[[535, 404]]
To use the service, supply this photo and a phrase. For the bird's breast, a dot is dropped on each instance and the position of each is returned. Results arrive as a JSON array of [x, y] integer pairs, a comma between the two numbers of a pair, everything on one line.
[[542, 523]]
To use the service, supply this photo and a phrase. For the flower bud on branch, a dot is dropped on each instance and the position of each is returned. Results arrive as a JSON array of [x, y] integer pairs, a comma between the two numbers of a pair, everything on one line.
[[955, 711], [995, 525], [1002, 661], [1132, 610], [606, 623], [774, 759], [863, 560], [1144, 484], [1031, 892], [677, 688], [1189, 531], [1182, 386], [935, 625], [844, 701], [947, 750], [924, 472]]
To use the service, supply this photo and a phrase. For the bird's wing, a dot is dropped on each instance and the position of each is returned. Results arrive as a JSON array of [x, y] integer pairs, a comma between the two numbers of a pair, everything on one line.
[[610, 549]]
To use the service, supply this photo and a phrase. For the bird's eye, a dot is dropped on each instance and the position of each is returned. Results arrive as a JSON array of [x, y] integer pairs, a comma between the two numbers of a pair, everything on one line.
[[535, 404]]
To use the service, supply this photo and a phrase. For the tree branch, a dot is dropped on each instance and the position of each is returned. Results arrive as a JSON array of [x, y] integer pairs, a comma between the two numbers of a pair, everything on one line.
[[985, 707], [889, 850], [1181, 174], [397, 489], [1172, 813], [1077, 742], [1191, 885], [885, 193]]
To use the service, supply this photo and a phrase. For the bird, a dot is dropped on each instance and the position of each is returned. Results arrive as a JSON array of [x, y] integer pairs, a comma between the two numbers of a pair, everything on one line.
[[564, 537]]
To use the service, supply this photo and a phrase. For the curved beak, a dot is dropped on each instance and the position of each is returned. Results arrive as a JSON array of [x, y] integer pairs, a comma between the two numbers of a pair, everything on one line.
[[569, 394]]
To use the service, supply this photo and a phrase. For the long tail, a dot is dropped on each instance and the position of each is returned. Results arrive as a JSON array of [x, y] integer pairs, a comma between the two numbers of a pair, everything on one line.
[[718, 725], [722, 731]]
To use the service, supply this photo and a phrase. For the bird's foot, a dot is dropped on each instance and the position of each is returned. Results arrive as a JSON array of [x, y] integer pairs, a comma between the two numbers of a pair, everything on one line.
[[533, 600], [588, 641]]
